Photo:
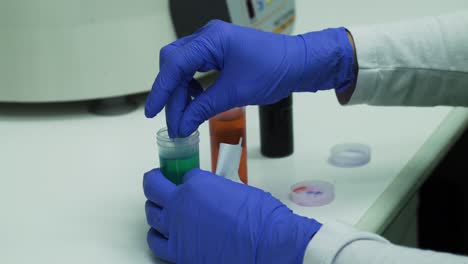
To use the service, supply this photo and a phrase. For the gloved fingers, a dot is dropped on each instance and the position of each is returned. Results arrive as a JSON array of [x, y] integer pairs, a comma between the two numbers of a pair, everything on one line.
[[156, 218], [166, 51], [159, 245], [179, 66], [195, 173], [205, 27], [184, 40], [178, 102], [195, 88], [157, 188], [175, 108], [206, 105], [161, 90]]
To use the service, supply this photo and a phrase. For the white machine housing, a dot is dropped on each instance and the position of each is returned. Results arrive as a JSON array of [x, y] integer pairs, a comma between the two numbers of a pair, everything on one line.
[[71, 50]]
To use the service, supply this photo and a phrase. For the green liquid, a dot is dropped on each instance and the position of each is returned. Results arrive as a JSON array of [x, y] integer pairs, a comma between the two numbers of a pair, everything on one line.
[[175, 169]]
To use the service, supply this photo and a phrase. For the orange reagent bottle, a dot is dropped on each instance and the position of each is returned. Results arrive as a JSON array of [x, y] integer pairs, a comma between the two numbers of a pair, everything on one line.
[[229, 127]]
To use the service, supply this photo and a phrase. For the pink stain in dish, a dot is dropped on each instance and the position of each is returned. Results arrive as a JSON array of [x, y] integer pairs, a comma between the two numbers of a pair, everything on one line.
[[298, 189]]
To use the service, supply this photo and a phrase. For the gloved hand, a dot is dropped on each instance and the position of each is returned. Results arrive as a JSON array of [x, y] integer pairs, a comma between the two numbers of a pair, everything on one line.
[[256, 67], [209, 219]]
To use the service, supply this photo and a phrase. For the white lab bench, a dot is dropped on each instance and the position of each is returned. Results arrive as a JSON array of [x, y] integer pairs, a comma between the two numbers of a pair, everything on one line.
[[70, 181]]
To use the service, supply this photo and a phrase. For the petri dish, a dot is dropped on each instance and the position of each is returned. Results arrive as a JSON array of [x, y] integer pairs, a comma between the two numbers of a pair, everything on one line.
[[312, 193], [350, 155]]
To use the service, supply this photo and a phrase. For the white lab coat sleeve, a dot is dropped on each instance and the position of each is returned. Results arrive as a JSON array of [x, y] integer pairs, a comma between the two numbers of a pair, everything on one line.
[[337, 243], [421, 62]]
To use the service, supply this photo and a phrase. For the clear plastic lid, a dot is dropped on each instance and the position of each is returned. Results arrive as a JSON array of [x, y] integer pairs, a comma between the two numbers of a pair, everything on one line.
[[350, 155]]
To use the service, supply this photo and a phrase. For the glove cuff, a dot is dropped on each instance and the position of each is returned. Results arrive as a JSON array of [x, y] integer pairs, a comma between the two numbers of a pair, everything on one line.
[[329, 61], [285, 238]]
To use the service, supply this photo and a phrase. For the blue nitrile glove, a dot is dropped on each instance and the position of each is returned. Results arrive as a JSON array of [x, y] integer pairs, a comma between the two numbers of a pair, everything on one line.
[[256, 67], [209, 219]]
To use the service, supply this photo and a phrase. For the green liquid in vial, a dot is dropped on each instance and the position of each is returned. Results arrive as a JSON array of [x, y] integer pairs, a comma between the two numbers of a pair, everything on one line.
[[175, 169]]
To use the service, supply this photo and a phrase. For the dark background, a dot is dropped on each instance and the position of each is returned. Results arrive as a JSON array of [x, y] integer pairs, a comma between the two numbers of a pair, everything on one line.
[[443, 208]]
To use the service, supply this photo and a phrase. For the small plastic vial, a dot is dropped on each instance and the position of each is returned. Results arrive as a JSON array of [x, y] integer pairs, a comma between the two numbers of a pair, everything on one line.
[[177, 155]]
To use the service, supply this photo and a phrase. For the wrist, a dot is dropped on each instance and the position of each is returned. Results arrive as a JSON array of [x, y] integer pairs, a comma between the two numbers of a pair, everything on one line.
[[329, 60], [286, 237], [345, 95], [348, 65]]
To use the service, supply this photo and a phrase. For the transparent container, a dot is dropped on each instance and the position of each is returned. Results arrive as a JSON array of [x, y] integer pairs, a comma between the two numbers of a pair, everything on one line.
[[229, 127], [177, 155]]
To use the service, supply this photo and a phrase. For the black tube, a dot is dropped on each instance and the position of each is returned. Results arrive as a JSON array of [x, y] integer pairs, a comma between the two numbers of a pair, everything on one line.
[[276, 129]]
